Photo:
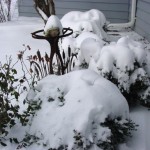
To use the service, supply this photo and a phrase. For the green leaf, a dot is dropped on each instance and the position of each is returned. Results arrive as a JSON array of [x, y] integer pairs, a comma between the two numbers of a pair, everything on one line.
[[15, 140], [14, 71], [16, 94], [10, 140], [3, 144], [24, 101], [15, 80]]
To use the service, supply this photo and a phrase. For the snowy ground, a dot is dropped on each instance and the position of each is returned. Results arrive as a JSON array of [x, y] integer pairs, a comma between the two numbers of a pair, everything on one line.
[[16, 33]]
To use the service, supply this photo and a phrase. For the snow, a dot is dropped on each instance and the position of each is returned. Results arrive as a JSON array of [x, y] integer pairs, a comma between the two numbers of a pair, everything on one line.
[[90, 48], [52, 24], [16, 33], [136, 47], [127, 49], [89, 21], [68, 42], [78, 43], [138, 74], [117, 58], [87, 96], [85, 35], [118, 52], [140, 139]]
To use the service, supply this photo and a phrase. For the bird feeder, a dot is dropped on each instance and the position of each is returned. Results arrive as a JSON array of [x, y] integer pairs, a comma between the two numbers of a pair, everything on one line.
[[52, 35]]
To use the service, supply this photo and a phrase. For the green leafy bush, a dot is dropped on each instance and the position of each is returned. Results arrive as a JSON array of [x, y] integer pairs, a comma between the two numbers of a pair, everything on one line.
[[8, 92], [11, 88], [120, 131]]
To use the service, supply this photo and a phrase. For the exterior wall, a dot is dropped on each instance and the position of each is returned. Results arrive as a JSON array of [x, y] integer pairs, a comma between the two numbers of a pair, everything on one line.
[[117, 11], [114, 10], [26, 8], [142, 25]]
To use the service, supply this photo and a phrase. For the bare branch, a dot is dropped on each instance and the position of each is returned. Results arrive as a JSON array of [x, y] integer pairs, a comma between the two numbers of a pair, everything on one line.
[[42, 14], [51, 7], [45, 8]]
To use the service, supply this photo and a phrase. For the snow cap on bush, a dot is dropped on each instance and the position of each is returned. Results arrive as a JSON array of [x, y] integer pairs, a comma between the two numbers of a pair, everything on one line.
[[90, 21], [84, 35], [53, 27], [120, 58], [135, 47], [76, 103], [122, 55]]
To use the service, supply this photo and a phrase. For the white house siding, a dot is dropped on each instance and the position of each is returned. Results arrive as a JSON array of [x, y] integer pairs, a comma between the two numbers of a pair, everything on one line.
[[142, 25], [114, 10]]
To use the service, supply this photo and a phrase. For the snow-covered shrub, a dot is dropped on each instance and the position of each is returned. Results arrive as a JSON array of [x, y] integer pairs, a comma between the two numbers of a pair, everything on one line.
[[121, 130], [127, 67], [85, 25], [89, 21], [74, 107], [8, 112], [124, 63], [87, 44]]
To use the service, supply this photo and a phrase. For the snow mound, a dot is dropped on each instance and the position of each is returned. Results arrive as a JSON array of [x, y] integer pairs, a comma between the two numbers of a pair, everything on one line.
[[90, 48], [53, 24], [136, 48], [85, 35], [73, 104], [90, 21]]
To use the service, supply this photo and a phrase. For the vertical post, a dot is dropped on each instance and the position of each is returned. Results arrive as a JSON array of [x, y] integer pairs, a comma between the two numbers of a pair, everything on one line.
[[55, 50]]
